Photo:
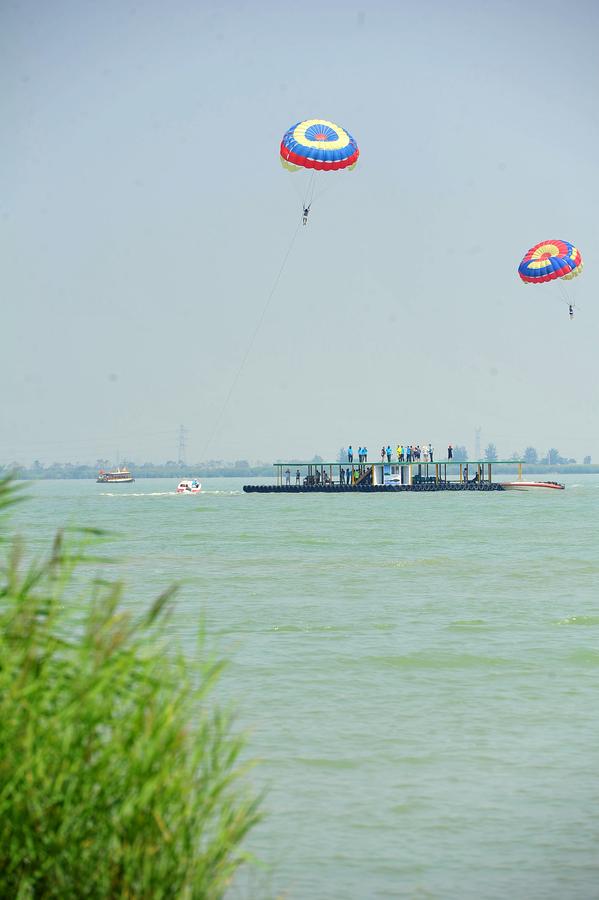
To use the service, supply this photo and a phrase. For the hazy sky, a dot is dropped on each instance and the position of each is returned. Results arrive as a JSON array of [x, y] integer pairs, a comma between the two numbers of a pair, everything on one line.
[[144, 217]]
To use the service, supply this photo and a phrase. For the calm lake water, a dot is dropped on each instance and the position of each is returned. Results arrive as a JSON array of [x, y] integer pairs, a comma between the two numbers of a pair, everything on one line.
[[419, 674]]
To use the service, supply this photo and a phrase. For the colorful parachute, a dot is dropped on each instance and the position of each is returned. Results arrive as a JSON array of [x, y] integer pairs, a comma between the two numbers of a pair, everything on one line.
[[318, 144], [550, 260]]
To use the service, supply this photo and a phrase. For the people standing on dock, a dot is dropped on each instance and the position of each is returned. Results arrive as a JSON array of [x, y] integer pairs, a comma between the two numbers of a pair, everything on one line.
[[350, 454], [388, 452], [347, 477], [450, 452], [365, 454], [430, 452], [297, 478], [287, 477], [383, 453]]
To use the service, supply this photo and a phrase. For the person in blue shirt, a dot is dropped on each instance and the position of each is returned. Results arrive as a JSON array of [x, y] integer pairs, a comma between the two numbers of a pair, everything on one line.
[[350, 454], [388, 452], [365, 452]]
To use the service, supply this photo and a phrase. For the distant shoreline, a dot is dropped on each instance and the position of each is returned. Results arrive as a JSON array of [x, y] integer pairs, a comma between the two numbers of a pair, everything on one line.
[[71, 472]]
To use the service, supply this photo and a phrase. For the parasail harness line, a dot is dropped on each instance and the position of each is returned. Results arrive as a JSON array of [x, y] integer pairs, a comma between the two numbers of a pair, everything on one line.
[[314, 191], [297, 152], [253, 337]]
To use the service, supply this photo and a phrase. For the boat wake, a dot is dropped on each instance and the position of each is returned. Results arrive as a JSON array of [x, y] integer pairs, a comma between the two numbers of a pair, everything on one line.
[[225, 493], [168, 493], [138, 494]]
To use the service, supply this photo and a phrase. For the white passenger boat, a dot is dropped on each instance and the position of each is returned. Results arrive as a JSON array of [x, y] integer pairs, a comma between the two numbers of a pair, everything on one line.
[[189, 486], [118, 476], [531, 486]]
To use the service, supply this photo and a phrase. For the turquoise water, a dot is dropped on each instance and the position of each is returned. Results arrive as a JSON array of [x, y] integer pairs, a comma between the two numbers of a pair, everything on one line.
[[419, 674]]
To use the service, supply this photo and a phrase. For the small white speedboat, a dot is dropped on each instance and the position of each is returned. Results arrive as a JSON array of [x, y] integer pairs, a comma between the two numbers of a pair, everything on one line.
[[531, 485], [189, 486]]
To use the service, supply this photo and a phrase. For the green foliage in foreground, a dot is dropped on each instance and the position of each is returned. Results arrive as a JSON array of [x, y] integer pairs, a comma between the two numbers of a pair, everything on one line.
[[118, 775]]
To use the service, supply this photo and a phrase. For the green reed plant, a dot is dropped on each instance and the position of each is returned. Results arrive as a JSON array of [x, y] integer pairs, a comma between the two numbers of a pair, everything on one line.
[[119, 774]]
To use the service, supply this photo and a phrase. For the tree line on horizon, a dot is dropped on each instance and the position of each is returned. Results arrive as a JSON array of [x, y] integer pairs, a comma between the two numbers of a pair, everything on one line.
[[243, 468], [169, 469], [532, 457]]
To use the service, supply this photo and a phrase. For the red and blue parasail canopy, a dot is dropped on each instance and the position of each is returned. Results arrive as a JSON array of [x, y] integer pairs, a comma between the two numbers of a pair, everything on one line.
[[318, 144], [550, 260]]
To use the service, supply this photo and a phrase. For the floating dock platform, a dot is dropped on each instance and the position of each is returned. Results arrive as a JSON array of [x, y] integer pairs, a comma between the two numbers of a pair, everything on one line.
[[383, 477]]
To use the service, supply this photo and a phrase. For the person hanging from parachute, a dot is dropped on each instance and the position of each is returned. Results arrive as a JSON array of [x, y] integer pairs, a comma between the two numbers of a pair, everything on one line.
[[317, 145], [554, 260]]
